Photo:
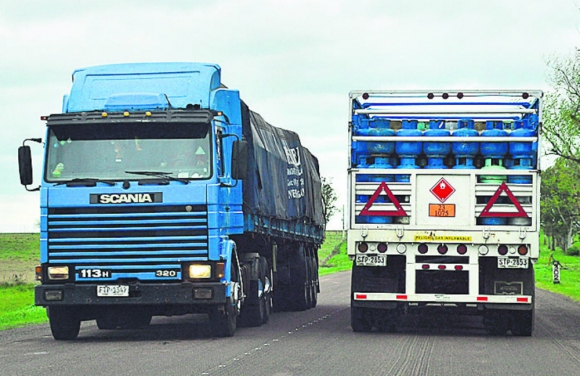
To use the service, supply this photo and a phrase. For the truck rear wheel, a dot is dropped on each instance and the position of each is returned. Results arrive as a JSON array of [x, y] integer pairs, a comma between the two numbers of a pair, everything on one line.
[[64, 323], [252, 313], [313, 282]]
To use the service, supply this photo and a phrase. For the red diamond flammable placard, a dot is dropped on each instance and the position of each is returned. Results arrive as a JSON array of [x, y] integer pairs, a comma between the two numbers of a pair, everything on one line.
[[442, 190]]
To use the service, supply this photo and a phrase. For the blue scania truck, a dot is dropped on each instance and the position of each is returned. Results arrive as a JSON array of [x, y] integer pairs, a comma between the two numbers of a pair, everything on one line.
[[163, 194]]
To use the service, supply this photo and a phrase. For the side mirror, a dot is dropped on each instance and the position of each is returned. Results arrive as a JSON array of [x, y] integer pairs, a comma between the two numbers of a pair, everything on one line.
[[240, 160], [25, 165]]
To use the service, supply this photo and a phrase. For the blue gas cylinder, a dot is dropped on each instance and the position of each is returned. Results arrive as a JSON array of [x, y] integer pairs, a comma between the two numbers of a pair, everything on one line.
[[523, 152], [436, 151], [465, 152], [378, 128], [494, 149], [408, 151]]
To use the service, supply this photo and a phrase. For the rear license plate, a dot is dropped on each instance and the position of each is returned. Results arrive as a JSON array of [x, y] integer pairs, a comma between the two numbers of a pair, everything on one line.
[[512, 263], [371, 260], [112, 290]]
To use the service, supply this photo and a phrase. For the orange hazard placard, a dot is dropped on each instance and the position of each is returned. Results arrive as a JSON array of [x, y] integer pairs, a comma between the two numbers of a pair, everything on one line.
[[400, 212], [441, 210]]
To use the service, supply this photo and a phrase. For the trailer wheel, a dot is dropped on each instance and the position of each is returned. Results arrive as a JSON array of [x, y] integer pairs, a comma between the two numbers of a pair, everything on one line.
[[361, 319], [64, 323]]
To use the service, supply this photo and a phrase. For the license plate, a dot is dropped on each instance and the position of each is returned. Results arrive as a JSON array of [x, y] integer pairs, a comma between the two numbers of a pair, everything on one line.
[[371, 260], [112, 290], [512, 263]]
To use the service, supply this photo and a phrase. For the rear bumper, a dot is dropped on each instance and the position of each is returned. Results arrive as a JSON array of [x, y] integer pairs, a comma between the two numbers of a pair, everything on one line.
[[139, 294], [392, 300]]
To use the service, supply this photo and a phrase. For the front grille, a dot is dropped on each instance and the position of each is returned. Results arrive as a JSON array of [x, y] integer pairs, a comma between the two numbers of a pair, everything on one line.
[[130, 241]]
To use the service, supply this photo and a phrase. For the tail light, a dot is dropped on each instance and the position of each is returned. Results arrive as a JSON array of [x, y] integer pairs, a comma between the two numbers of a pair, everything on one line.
[[382, 247], [363, 247], [462, 249], [502, 249], [442, 248], [423, 248], [523, 250]]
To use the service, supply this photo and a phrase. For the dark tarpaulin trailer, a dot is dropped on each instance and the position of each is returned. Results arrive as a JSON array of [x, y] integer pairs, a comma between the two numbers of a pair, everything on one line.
[[283, 176]]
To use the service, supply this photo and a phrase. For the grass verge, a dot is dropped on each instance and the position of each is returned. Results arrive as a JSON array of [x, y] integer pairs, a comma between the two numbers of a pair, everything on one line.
[[17, 306], [569, 273], [332, 254]]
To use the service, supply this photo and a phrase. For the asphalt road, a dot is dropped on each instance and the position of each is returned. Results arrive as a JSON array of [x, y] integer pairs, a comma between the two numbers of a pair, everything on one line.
[[315, 342]]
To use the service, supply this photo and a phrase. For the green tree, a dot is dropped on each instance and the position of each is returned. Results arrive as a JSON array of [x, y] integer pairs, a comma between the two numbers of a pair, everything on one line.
[[561, 110], [328, 198], [560, 202]]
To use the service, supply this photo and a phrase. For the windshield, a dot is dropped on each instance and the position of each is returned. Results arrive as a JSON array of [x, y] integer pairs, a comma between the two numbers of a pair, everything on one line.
[[128, 151]]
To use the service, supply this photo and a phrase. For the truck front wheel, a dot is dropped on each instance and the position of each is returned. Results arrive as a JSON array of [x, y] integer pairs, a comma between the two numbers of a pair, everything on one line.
[[64, 323]]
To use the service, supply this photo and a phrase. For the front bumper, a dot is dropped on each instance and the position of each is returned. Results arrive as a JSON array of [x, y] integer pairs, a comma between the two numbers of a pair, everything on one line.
[[139, 294]]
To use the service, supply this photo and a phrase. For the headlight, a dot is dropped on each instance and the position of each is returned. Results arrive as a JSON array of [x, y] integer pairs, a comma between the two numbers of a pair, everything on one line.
[[197, 271], [57, 272]]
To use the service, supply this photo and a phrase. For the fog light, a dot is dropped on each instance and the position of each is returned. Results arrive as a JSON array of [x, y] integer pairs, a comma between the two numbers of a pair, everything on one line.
[[53, 295], [202, 293], [58, 272], [199, 271]]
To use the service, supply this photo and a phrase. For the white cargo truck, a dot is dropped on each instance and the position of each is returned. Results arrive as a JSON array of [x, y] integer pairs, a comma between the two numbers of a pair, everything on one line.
[[443, 202]]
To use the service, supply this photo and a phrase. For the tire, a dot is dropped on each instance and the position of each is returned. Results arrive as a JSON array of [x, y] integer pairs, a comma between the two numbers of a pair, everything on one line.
[[224, 324], [360, 319], [314, 282], [268, 295], [300, 290], [64, 323], [253, 311]]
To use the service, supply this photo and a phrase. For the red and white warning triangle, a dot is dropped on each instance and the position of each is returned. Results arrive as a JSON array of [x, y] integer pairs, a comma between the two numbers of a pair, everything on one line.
[[486, 212], [400, 212]]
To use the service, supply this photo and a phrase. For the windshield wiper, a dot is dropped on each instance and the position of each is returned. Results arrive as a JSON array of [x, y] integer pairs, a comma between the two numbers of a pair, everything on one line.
[[158, 174], [85, 181]]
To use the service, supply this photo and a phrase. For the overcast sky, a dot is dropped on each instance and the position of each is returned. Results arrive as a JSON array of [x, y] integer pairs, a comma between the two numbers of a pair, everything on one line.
[[294, 61]]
